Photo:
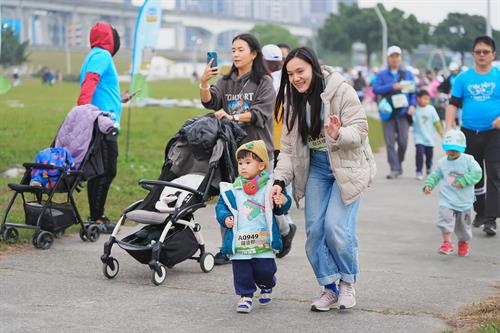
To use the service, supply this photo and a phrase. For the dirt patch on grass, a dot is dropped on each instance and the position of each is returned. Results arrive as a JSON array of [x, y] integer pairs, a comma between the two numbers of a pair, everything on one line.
[[12, 248], [478, 317]]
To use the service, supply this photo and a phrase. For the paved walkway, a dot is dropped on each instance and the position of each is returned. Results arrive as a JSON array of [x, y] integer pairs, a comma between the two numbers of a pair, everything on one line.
[[405, 286]]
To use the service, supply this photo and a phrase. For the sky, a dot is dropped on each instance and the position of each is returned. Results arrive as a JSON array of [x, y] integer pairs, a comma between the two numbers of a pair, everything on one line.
[[434, 11]]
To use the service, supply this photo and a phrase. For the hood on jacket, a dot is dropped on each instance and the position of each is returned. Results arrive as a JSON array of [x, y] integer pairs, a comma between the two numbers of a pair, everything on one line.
[[333, 81], [106, 37]]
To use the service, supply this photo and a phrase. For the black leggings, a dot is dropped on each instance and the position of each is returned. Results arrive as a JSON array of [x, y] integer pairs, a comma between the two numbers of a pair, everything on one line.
[[98, 187], [422, 151], [485, 147]]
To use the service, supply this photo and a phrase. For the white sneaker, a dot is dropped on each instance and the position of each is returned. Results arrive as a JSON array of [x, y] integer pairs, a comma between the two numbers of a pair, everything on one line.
[[244, 305], [419, 176], [346, 295], [326, 301]]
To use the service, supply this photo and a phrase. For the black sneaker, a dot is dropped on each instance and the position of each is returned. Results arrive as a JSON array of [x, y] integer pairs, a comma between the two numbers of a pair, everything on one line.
[[287, 241], [490, 228], [480, 221], [221, 259], [104, 224]]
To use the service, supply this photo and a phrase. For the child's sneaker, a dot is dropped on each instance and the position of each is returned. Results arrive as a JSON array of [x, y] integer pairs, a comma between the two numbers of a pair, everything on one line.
[[419, 176], [266, 296], [244, 305], [463, 249], [326, 301], [346, 295], [446, 248]]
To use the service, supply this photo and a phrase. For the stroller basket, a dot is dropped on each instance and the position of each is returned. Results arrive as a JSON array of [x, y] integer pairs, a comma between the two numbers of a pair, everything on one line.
[[179, 245], [57, 216]]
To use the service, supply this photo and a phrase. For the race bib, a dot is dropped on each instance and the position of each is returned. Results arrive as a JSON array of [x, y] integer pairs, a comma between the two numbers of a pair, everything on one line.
[[399, 101], [253, 241], [407, 86], [317, 144]]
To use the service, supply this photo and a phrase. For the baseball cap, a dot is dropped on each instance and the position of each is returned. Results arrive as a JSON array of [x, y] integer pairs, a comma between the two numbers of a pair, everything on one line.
[[272, 52], [453, 66], [394, 49], [454, 140]]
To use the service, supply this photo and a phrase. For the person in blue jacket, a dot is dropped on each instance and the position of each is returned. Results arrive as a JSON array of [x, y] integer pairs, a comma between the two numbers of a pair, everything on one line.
[[396, 87], [99, 86], [252, 235]]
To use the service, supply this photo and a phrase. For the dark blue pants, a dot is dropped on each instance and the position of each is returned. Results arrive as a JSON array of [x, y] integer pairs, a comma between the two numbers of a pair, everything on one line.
[[421, 151], [253, 273]]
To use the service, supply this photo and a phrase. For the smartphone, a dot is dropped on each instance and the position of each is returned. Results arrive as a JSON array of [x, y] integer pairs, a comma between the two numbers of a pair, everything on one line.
[[135, 93], [212, 55]]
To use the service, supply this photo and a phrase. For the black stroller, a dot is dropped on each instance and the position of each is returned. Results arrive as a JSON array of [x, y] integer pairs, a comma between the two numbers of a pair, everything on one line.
[[49, 218], [197, 158]]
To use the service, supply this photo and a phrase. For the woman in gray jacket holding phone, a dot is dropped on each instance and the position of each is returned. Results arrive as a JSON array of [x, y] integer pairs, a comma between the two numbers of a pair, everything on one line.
[[326, 156], [245, 95]]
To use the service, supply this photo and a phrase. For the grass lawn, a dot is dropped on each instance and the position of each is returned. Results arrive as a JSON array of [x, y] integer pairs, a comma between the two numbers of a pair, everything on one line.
[[56, 61], [31, 114]]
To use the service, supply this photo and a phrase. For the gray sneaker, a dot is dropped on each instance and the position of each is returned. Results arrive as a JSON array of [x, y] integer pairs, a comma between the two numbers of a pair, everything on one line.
[[326, 301], [346, 295], [393, 175]]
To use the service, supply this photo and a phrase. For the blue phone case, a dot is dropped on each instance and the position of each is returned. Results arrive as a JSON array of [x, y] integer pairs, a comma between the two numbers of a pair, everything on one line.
[[210, 56]]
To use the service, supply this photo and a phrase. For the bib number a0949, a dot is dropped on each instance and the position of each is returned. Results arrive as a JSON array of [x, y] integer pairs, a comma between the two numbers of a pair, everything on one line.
[[253, 242]]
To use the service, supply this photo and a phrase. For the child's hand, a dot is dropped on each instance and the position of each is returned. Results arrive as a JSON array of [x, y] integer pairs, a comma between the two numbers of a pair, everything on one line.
[[427, 190], [457, 185], [229, 222], [279, 200]]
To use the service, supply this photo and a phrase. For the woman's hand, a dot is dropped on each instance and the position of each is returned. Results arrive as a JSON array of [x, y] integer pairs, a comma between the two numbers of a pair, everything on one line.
[[125, 96], [208, 73], [496, 123], [333, 127], [276, 191], [221, 114]]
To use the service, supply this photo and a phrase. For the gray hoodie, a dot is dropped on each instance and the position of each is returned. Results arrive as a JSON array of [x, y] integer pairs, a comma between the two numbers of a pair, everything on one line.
[[236, 96]]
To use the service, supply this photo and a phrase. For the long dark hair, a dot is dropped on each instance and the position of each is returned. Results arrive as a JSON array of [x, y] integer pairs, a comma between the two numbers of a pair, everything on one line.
[[259, 69], [296, 101]]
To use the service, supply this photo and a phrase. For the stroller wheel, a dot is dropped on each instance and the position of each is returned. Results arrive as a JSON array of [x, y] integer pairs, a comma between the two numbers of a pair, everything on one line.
[[93, 233], [83, 234], [110, 268], [59, 234], [33, 240], [158, 279], [207, 262], [44, 240], [11, 235]]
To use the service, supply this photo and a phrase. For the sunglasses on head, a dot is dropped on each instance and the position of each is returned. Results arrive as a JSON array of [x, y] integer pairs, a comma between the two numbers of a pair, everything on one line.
[[482, 52]]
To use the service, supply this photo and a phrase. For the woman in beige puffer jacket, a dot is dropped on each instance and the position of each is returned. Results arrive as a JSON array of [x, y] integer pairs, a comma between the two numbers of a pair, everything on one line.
[[326, 156]]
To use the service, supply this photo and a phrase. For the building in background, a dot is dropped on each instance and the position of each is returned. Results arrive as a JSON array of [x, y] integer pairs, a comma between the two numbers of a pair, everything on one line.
[[188, 25]]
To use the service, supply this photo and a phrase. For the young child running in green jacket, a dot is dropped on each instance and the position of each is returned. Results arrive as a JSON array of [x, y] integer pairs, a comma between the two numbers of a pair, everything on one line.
[[457, 173]]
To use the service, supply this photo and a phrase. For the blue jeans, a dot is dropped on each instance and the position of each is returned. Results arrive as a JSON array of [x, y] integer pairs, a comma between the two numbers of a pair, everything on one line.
[[332, 244]]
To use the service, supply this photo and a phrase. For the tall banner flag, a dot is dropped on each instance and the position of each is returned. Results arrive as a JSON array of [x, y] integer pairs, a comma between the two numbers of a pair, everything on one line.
[[4, 83], [147, 29], [145, 40]]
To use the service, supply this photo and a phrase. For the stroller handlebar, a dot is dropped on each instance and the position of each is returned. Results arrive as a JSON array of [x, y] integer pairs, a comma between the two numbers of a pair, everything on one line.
[[146, 184], [42, 166]]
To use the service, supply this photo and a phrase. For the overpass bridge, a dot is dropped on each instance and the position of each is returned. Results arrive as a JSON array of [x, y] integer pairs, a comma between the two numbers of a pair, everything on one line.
[[66, 24]]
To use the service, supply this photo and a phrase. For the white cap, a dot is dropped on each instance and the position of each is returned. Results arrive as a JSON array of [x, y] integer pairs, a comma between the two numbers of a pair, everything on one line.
[[453, 66], [393, 49], [272, 52]]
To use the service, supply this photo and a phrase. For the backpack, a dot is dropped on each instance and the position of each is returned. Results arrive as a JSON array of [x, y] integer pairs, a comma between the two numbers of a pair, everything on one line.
[[51, 156]]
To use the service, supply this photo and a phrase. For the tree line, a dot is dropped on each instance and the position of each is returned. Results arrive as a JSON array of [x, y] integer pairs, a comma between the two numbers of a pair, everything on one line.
[[353, 24]]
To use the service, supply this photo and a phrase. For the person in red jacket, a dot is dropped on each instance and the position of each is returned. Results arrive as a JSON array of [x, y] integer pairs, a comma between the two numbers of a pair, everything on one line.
[[99, 86]]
